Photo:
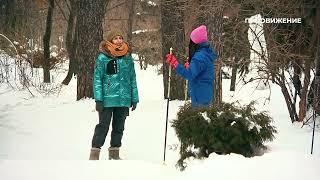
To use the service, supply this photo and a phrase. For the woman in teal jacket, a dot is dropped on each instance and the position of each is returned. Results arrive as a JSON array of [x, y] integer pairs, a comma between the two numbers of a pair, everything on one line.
[[115, 91]]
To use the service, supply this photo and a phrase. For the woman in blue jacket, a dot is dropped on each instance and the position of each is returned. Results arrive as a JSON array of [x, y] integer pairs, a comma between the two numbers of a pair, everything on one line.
[[200, 69], [115, 91]]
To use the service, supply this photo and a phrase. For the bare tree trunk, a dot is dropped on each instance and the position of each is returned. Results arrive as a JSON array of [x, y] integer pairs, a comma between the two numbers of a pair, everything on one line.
[[317, 80], [70, 41], [304, 92], [317, 58], [46, 43], [291, 107], [296, 77], [130, 5], [89, 26], [172, 29], [234, 75]]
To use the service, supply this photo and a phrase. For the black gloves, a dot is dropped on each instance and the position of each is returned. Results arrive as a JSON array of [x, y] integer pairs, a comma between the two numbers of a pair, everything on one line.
[[133, 106], [99, 106]]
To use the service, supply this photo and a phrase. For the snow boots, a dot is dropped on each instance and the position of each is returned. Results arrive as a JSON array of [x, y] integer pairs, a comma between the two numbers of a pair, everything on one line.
[[94, 154], [114, 153]]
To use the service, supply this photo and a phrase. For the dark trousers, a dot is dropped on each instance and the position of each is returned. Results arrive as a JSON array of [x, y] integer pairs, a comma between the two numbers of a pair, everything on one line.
[[118, 115]]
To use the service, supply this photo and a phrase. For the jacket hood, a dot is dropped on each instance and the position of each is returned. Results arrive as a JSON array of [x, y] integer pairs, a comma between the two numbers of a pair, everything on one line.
[[205, 49]]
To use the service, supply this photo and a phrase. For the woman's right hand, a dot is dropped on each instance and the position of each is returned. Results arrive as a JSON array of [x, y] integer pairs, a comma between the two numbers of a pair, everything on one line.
[[170, 59]]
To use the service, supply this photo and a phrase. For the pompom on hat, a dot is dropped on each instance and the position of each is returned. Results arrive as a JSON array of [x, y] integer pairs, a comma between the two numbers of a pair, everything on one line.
[[199, 34]]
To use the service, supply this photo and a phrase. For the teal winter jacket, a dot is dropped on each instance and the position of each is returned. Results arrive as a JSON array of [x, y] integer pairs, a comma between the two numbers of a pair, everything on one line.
[[114, 81]]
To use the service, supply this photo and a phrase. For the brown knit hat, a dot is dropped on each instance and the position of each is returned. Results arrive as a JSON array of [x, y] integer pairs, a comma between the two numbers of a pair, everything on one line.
[[113, 34]]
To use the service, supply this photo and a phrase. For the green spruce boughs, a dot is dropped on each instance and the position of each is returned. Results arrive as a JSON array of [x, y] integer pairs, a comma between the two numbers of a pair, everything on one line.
[[223, 130]]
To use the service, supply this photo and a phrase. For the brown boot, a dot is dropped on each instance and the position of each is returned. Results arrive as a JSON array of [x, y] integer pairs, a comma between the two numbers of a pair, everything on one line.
[[114, 153], [94, 154]]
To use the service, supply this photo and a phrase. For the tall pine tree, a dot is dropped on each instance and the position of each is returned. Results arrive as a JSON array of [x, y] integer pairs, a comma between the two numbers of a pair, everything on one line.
[[172, 29], [89, 34]]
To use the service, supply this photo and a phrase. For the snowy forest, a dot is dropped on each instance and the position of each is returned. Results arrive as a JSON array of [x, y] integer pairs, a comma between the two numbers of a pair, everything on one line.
[[263, 122], [42, 27]]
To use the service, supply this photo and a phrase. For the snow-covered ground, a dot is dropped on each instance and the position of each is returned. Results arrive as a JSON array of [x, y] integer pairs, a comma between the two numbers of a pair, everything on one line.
[[50, 137]]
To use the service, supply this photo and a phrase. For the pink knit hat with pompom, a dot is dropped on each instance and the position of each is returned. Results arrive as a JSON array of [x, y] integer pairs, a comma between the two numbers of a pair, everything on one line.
[[199, 34]]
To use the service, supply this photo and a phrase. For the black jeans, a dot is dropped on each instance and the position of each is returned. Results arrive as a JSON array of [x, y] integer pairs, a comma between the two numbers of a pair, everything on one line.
[[118, 115]]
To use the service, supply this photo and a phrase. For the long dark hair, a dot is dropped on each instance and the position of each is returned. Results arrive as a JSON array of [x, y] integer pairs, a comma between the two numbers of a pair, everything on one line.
[[192, 49]]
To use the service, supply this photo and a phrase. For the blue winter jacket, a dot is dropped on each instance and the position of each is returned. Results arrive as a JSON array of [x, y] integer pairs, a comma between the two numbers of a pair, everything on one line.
[[200, 75], [114, 81]]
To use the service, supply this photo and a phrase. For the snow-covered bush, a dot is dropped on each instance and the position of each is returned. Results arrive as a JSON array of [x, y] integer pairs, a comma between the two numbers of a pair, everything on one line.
[[223, 130]]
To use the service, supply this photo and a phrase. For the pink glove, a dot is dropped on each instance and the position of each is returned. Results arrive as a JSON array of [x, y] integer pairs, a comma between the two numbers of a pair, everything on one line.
[[170, 59], [186, 65]]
